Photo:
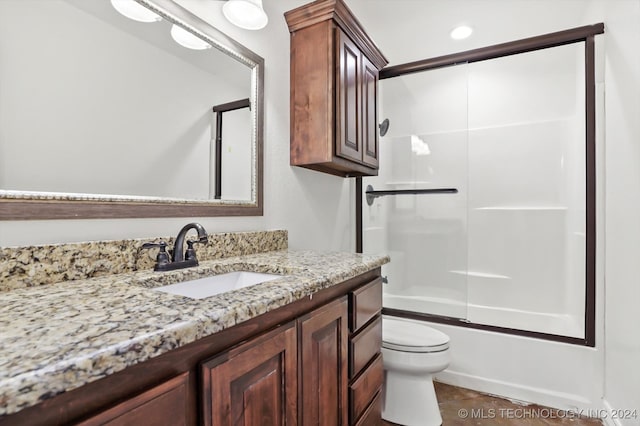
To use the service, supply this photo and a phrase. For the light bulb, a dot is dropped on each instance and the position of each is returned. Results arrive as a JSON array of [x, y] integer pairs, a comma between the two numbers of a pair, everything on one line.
[[186, 39], [134, 10], [247, 14]]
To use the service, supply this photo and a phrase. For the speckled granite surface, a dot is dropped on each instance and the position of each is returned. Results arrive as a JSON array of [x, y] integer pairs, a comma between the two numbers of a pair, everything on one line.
[[37, 265], [58, 337]]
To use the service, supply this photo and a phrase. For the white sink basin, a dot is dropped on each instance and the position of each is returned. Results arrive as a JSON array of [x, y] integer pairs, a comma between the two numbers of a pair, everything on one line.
[[210, 286]]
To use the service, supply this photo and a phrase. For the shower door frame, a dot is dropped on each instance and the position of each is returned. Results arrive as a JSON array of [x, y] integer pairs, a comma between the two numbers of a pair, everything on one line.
[[584, 34]]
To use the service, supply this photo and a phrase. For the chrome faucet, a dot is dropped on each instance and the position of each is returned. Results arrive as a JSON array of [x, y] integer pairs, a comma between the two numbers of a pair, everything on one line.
[[180, 259]]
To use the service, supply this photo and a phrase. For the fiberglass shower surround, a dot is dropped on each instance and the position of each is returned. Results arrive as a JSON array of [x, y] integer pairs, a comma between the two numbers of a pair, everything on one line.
[[508, 248]]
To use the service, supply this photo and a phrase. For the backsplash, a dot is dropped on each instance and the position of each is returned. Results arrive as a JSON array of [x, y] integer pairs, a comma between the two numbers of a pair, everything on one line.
[[47, 264]]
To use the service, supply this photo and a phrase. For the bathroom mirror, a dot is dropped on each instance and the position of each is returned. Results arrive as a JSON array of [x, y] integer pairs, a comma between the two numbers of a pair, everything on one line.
[[103, 116]]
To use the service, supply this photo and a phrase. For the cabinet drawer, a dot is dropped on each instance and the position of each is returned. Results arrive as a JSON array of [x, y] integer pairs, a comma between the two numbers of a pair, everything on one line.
[[163, 404], [373, 415], [364, 346], [365, 387], [366, 302]]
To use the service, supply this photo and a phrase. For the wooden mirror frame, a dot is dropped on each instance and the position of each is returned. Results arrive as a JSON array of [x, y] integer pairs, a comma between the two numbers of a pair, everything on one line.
[[19, 205]]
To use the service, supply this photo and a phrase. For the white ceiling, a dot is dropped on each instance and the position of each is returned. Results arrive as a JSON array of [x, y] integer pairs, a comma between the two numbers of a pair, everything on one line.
[[409, 30]]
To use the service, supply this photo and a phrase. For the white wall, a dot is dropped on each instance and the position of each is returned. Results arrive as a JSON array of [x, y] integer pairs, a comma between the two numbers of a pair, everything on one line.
[[317, 209], [622, 290]]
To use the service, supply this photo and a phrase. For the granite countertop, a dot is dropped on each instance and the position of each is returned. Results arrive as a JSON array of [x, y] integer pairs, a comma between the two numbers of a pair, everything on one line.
[[58, 337]]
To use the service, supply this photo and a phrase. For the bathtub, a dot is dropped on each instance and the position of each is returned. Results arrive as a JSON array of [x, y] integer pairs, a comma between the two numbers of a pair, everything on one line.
[[544, 322]]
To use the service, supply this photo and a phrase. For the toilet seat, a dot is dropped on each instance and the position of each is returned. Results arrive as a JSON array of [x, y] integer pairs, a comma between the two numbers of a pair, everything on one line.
[[408, 336]]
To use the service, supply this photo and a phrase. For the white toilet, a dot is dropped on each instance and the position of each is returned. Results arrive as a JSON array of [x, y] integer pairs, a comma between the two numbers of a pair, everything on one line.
[[411, 353]]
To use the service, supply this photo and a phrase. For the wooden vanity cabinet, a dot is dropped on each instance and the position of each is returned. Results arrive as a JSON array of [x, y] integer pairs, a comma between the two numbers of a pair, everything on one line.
[[259, 382], [304, 363], [338, 367], [334, 91]]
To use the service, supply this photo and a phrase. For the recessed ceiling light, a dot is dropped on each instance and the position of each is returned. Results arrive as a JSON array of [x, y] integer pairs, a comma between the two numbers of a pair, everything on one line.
[[461, 32]]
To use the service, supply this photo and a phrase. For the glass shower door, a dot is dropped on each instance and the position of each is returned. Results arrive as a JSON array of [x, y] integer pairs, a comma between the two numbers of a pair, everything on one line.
[[527, 193], [416, 208]]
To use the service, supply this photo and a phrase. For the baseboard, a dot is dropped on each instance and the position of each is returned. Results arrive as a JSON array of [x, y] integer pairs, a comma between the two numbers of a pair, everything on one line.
[[519, 393]]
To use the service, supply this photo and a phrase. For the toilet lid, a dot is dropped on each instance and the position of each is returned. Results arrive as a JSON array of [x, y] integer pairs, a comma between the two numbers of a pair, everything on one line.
[[408, 336]]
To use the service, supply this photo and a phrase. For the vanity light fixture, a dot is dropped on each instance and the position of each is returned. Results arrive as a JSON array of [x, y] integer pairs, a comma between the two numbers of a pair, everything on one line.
[[461, 32], [186, 39], [246, 14], [134, 10]]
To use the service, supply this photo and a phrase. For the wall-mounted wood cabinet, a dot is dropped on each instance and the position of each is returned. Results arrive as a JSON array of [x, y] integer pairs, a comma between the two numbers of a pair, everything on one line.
[[334, 91]]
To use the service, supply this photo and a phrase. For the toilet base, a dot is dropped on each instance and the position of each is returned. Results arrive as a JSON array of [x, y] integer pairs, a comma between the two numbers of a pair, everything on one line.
[[410, 400]]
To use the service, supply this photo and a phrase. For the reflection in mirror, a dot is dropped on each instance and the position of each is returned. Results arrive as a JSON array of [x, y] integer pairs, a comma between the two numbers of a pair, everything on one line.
[[97, 106], [232, 142]]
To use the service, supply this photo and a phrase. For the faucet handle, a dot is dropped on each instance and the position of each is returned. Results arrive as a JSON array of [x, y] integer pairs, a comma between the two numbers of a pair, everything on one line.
[[163, 257], [190, 254]]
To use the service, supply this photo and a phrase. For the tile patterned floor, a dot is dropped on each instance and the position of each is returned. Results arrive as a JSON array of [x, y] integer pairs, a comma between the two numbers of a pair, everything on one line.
[[461, 406]]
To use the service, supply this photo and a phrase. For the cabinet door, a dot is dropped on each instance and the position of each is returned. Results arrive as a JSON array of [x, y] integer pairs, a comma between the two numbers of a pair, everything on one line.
[[369, 113], [348, 113], [254, 384], [323, 365], [162, 405]]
